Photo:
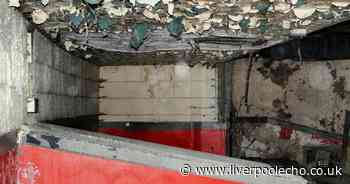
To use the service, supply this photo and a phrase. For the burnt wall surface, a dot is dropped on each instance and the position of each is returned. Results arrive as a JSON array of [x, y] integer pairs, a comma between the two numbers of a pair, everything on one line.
[[13, 68], [65, 86], [314, 94]]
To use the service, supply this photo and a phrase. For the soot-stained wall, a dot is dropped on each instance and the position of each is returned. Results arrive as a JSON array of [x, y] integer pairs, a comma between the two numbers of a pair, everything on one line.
[[315, 94]]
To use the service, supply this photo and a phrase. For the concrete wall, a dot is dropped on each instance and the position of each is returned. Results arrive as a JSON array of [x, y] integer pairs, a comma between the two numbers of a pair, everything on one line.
[[315, 94], [66, 86], [13, 68], [31, 66], [159, 93]]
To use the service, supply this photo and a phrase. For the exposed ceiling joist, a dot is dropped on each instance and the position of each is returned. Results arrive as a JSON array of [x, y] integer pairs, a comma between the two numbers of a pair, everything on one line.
[[159, 41]]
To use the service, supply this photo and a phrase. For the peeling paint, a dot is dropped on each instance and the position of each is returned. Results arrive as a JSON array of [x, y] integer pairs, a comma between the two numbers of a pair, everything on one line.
[[39, 16], [339, 87], [272, 21], [278, 72], [315, 94]]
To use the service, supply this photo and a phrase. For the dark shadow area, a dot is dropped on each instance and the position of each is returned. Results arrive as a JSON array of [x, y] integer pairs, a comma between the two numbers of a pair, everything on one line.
[[327, 44], [89, 123]]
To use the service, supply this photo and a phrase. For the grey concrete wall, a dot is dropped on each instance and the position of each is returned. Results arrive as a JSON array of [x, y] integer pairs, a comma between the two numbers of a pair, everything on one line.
[[315, 94], [13, 68], [66, 86]]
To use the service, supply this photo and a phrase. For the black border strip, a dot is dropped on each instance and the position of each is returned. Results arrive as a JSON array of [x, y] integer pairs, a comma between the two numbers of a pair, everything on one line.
[[168, 125]]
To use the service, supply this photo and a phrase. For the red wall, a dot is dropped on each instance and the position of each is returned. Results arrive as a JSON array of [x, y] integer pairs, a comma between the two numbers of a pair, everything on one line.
[[200, 139], [39, 165], [8, 167]]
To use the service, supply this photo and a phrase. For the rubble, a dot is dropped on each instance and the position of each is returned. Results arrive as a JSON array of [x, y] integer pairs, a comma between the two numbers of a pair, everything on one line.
[[341, 4], [267, 19], [149, 2], [304, 11], [39, 16]]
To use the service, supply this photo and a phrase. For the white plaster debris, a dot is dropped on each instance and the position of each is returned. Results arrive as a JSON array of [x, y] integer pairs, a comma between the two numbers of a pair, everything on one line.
[[293, 2], [323, 8], [305, 22], [198, 14], [167, 1], [149, 14], [188, 26], [304, 11], [246, 8], [341, 4], [149, 2], [253, 22], [171, 7], [88, 56], [120, 11], [14, 3], [204, 16], [114, 11], [216, 20], [70, 9], [283, 7], [69, 46], [236, 18], [39, 16], [298, 32], [203, 27]]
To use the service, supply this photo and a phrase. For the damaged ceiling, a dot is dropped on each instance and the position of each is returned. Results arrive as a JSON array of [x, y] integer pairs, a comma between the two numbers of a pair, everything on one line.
[[105, 31]]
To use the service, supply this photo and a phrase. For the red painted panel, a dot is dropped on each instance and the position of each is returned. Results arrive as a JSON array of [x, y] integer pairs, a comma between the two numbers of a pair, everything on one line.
[[8, 167], [45, 166], [286, 133], [206, 140], [326, 141]]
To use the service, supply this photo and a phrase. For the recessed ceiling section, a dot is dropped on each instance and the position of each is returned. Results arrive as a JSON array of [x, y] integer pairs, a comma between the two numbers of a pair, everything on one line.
[[93, 27]]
